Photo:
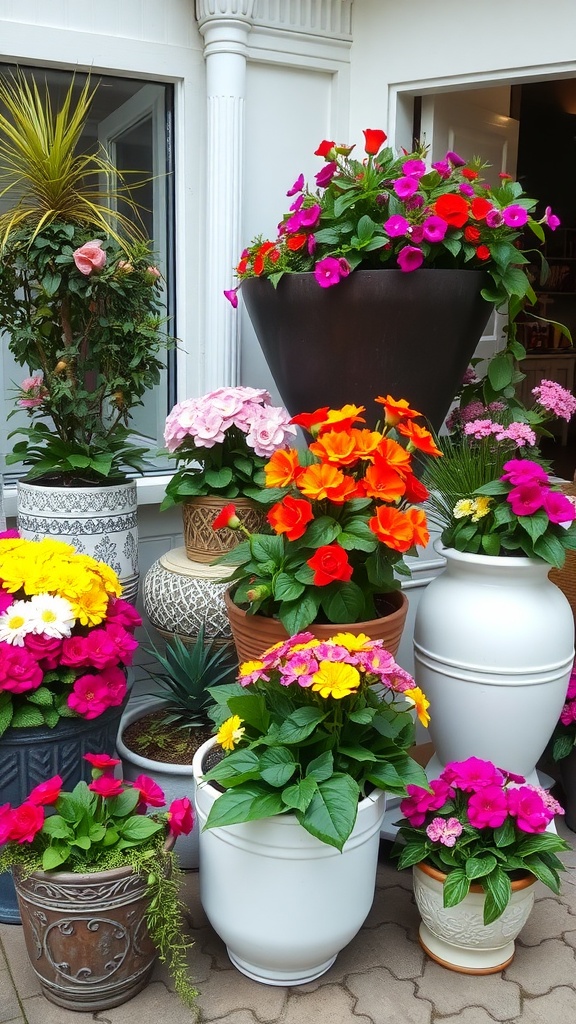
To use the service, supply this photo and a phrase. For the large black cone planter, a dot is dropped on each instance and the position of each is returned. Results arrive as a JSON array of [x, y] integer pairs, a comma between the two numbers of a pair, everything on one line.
[[378, 332]]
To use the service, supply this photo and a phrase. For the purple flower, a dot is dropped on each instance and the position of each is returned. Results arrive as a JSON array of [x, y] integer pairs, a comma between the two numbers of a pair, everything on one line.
[[526, 499], [310, 215], [324, 177], [311, 244], [442, 167], [414, 168], [466, 189], [494, 218], [524, 471], [551, 219], [396, 225], [297, 203], [232, 297], [454, 159], [434, 229], [416, 233], [405, 187], [330, 271], [297, 186], [514, 216], [410, 258], [414, 202], [558, 507]]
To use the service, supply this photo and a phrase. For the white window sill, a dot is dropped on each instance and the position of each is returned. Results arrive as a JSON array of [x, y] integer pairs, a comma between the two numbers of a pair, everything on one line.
[[150, 489]]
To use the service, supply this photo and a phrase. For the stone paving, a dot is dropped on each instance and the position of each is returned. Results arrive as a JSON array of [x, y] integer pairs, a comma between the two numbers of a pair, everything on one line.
[[382, 977]]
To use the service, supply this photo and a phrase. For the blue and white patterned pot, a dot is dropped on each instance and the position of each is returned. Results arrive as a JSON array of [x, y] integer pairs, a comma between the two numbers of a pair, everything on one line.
[[98, 521]]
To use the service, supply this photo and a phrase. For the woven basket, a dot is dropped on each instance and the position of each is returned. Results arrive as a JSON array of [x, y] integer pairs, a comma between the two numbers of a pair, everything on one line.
[[565, 578]]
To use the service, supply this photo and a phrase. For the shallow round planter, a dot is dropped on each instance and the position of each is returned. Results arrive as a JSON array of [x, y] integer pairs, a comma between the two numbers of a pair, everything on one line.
[[378, 332], [97, 521], [284, 903], [30, 756], [493, 651], [456, 937], [253, 634], [202, 542], [175, 780], [86, 935]]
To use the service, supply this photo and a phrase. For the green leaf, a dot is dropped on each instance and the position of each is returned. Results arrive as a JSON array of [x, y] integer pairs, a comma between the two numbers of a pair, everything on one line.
[[499, 371], [251, 708], [298, 797], [236, 768], [139, 828], [277, 766], [498, 891], [286, 588], [550, 550], [123, 804], [412, 853], [26, 718], [55, 826], [331, 814], [477, 867], [456, 887], [322, 530], [321, 767], [250, 803], [300, 724], [218, 478], [42, 696], [296, 616], [343, 602], [54, 856]]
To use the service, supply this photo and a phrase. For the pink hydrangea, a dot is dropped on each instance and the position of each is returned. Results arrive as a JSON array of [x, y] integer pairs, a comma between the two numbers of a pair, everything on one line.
[[269, 429], [555, 399]]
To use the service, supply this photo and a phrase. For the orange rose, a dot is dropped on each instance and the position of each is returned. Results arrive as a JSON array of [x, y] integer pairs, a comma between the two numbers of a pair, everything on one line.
[[383, 482], [336, 446], [330, 564], [342, 419], [396, 410], [290, 516], [420, 527], [393, 528], [395, 455], [282, 468], [419, 438], [324, 481]]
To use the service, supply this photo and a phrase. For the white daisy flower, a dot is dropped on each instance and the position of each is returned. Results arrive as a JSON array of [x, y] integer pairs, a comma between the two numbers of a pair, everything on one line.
[[15, 623], [51, 615]]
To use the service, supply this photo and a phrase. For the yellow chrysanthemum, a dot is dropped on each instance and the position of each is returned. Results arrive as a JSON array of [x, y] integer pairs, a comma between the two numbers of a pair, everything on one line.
[[481, 508], [351, 642], [463, 508], [420, 703], [230, 732], [335, 679], [90, 607]]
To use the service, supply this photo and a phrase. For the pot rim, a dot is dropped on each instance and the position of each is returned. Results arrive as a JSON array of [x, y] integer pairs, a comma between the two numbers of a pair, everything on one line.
[[87, 877], [80, 489], [440, 876], [280, 819], [149, 704], [338, 627], [513, 561]]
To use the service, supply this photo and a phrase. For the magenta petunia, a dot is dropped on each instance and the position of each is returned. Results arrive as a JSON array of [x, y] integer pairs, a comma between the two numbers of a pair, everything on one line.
[[488, 807], [232, 296], [442, 167], [551, 219], [472, 774], [410, 258], [329, 271], [526, 499], [514, 216], [414, 168], [297, 186], [558, 508], [181, 817], [524, 471], [396, 225], [434, 228], [324, 177], [405, 187], [527, 806], [494, 219], [419, 801], [151, 793]]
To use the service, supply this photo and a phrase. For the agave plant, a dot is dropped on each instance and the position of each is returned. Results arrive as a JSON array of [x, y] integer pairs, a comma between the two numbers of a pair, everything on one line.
[[186, 672]]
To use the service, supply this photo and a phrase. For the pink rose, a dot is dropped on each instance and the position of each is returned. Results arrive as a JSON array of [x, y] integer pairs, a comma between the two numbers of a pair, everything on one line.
[[90, 696], [106, 785], [25, 821], [114, 679], [103, 762], [89, 257], [19, 670], [6, 600], [47, 649], [100, 649], [122, 643], [46, 792], [75, 651], [123, 613], [150, 792], [5, 820], [181, 817]]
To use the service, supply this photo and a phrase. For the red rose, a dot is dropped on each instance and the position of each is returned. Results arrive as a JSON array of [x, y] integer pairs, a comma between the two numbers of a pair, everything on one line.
[[324, 148], [375, 139], [483, 252], [471, 233], [330, 564], [453, 209]]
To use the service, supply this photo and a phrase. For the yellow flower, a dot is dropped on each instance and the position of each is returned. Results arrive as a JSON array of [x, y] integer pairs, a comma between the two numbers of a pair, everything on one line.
[[481, 508], [90, 607], [248, 667], [464, 507], [335, 679], [351, 642], [230, 732], [420, 703]]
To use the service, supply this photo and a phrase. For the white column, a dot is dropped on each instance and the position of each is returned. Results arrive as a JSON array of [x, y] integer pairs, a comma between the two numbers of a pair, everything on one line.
[[225, 26]]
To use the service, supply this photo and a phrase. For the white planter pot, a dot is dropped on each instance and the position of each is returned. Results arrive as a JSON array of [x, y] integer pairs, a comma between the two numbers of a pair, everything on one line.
[[175, 779], [98, 521], [456, 937], [284, 903], [493, 650]]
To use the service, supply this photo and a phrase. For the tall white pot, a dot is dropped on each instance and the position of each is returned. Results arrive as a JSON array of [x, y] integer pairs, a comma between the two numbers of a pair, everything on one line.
[[493, 650], [284, 903], [98, 521]]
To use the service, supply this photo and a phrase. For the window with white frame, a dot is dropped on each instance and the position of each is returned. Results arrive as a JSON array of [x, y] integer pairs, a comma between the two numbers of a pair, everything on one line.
[[132, 119]]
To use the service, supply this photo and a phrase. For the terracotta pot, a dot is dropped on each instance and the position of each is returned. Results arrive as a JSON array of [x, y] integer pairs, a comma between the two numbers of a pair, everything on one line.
[[456, 937], [202, 542], [253, 634], [378, 332], [86, 935]]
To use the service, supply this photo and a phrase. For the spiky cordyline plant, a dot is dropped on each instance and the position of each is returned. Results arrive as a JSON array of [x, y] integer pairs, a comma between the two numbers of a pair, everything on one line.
[[462, 469], [43, 172]]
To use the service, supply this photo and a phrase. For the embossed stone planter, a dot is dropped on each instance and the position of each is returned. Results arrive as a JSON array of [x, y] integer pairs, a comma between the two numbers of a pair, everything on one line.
[[97, 521], [30, 756], [86, 935], [456, 937], [181, 595]]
